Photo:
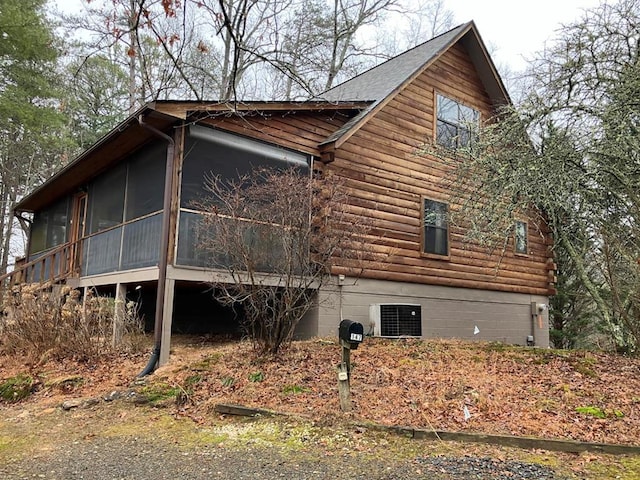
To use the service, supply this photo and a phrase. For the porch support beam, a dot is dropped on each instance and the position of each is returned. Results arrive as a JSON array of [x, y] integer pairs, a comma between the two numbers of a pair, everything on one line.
[[119, 314], [167, 316]]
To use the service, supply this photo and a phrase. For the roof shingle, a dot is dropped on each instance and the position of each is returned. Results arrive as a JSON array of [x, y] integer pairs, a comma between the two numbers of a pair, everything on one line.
[[381, 80]]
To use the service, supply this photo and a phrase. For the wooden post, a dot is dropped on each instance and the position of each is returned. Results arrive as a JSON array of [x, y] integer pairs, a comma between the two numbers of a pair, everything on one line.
[[344, 378], [167, 317], [119, 314], [343, 388], [346, 358]]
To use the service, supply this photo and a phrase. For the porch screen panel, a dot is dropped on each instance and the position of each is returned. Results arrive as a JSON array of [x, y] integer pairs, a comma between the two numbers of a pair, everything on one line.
[[49, 263], [145, 182], [141, 243], [50, 227], [106, 197], [189, 252], [34, 273], [58, 223], [103, 252], [38, 240], [212, 152]]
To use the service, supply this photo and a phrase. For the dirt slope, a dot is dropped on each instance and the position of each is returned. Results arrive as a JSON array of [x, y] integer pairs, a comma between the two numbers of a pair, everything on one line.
[[546, 393]]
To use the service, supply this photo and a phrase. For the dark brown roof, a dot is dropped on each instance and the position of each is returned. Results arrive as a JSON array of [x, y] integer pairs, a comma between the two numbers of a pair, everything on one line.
[[127, 137]]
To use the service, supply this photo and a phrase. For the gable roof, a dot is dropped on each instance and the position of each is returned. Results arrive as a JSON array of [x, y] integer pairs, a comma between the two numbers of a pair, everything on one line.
[[380, 83], [366, 93]]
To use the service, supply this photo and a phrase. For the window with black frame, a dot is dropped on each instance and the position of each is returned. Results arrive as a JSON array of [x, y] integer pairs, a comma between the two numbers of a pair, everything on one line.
[[457, 124], [436, 228]]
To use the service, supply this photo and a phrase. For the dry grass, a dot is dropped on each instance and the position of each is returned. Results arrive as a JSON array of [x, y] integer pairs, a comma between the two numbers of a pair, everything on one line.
[[507, 390], [41, 325]]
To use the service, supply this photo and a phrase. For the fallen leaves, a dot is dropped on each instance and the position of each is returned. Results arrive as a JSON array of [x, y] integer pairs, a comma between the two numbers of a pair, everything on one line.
[[423, 384]]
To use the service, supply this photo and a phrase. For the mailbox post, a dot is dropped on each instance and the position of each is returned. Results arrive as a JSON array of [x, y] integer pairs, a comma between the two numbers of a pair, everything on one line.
[[351, 334]]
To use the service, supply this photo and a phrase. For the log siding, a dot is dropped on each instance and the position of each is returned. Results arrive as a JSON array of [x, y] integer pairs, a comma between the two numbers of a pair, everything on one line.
[[389, 176], [300, 131]]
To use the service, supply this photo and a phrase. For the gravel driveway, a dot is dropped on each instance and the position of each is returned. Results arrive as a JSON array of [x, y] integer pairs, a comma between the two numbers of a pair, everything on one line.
[[121, 458]]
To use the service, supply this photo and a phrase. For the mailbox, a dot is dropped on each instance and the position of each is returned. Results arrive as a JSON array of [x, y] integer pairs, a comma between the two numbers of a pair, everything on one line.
[[351, 332]]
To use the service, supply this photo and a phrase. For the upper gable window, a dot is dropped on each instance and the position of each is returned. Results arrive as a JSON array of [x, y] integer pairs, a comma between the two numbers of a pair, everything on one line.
[[457, 123]]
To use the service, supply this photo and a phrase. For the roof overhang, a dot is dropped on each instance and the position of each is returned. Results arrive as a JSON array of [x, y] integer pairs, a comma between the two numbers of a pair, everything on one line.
[[120, 142], [189, 109], [485, 67], [130, 135]]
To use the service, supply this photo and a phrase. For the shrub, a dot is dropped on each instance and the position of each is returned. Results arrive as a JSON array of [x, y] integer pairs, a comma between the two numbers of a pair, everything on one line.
[[16, 388], [43, 325]]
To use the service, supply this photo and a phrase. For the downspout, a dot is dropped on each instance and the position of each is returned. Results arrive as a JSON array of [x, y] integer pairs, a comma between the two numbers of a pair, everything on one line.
[[164, 249]]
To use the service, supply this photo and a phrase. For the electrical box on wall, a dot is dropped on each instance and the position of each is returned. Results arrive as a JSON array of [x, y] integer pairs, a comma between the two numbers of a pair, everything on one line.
[[396, 319]]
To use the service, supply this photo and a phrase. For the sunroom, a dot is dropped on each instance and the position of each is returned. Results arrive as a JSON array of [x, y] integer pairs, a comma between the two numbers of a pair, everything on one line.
[[129, 226]]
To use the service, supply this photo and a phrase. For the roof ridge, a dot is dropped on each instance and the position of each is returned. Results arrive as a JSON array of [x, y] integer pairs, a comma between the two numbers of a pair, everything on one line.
[[395, 59]]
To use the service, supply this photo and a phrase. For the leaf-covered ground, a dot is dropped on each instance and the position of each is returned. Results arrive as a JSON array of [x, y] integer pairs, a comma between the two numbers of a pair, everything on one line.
[[578, 395]]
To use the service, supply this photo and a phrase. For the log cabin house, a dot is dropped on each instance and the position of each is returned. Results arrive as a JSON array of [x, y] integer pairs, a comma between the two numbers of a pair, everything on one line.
[[118, 219]]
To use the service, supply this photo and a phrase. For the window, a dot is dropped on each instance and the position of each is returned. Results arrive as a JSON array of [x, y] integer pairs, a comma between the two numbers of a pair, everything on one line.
[[106, 199], [49, 227], [457, 123], [520, 238], [436, 228]]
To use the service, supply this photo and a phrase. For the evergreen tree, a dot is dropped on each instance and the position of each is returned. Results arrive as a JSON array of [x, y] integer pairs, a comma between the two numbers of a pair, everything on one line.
[[31, 124]]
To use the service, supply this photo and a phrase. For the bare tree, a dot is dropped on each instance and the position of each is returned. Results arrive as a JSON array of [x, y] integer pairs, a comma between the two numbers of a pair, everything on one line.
[[273, 236], [570, 149], [414, 22]]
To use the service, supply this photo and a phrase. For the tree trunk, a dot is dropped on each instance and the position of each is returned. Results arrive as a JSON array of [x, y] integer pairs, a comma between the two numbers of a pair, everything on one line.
[[132, 57], [4, 219], [7, 229]]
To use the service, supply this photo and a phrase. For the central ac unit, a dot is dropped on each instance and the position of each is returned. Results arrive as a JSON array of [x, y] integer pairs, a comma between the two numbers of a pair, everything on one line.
[[396, 320]]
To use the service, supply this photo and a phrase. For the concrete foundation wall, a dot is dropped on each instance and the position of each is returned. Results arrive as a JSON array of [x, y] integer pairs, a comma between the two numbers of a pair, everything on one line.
[[446, 312]]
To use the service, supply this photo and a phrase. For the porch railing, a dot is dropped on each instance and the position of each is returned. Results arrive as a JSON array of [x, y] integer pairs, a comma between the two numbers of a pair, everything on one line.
[[51, 267]]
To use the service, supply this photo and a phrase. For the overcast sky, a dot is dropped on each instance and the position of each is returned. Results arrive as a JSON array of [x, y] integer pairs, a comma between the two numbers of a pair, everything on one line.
[[514, 30]]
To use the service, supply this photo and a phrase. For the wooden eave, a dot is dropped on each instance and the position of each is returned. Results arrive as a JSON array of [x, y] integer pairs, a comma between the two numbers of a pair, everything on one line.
[[473, 43], [119, 143], [186, 109]]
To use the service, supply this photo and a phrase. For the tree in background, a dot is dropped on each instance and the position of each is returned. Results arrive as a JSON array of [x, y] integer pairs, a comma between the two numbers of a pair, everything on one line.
[[570, 151], [239, 49], [139, 37], [97, 98], [32, 139]]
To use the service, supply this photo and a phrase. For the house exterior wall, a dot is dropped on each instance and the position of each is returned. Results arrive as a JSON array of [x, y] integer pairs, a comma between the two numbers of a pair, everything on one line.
[[447, 312], [389, 176], [299, 131]]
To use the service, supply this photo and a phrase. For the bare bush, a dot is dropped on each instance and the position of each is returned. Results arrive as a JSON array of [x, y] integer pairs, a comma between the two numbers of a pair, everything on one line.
[[273, 237], [43, 325]]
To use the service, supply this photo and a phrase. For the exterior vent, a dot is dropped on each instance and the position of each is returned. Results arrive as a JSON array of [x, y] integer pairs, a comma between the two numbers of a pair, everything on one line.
[[396, 320]]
